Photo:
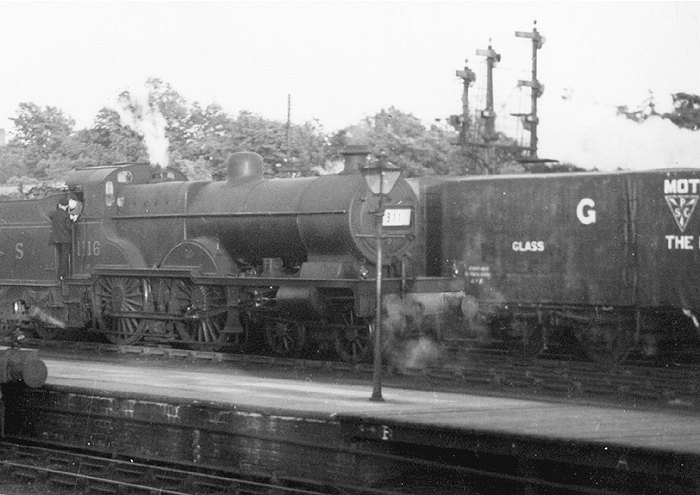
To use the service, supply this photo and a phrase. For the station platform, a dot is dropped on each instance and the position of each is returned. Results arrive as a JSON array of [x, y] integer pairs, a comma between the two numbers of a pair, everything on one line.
[[638, 447]]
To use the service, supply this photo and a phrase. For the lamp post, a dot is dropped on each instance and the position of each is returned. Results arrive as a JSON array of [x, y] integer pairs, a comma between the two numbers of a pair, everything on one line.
[[380, 180]]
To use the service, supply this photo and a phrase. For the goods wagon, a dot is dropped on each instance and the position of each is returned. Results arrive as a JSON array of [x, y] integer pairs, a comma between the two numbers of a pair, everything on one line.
[[609, 261]]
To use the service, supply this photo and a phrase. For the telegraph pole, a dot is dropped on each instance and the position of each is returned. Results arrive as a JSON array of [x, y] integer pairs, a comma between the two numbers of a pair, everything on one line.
[[289, 124], [537, 89]]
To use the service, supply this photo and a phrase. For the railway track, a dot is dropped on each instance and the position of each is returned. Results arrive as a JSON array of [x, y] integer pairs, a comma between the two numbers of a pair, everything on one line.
[[58, 469], [63, 468], [675, 386]]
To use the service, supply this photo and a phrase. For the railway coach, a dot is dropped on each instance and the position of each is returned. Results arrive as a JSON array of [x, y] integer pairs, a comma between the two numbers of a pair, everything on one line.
[[608, 262], [208, 264]]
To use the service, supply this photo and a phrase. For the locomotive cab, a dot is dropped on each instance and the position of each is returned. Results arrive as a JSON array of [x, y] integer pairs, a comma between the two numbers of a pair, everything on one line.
[[96, 241]]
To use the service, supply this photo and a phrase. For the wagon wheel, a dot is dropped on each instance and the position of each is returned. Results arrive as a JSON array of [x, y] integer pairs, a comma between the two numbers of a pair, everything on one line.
[[119, 295], [606, 344], [205, 312], [284, 338], [526, 337], [354, 343]]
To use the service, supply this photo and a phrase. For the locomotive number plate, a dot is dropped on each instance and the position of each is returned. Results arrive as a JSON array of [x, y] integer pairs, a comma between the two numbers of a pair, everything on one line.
[[397, 217]]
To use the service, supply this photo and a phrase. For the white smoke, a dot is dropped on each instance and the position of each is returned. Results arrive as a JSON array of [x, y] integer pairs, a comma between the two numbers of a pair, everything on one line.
[[39, 314], [138, 111], [408, 340], [592, 135], [330, 168]]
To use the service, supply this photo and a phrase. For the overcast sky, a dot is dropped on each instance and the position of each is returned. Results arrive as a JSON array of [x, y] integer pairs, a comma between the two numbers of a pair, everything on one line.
[[342, 61]]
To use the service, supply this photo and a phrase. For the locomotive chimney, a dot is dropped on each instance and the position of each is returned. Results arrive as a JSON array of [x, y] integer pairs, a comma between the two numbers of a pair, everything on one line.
[[244, 166], [355, 158]]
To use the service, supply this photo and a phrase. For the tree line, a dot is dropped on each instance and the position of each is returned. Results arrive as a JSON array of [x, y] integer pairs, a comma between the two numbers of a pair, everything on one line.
[[45, 144]]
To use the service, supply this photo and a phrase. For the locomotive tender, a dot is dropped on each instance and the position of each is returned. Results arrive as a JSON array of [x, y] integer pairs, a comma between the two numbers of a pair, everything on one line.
[[608, 260], [208, 263]]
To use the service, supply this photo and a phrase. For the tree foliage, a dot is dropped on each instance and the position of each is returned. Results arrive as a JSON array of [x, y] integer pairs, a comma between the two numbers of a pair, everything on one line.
[[45, 145], [41, 136], [686, 113], [406, 142]]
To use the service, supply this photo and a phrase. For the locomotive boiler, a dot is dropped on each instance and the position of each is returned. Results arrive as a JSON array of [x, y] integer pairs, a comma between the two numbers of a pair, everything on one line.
[[603, 263], [210, 263]]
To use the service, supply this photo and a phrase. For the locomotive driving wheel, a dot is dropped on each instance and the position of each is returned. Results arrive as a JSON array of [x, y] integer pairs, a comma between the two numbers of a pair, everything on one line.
[[353, 342], [115, 296], [205, 312]]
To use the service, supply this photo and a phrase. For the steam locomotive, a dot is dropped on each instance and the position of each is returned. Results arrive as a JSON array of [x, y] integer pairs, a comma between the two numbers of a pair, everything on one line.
[[211, 264], [599, 264]]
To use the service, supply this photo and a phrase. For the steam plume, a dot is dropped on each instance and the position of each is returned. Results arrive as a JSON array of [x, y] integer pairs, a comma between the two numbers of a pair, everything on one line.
[[41, 315], [138, 111], [409, 341], [590, 134], [330, 168]]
